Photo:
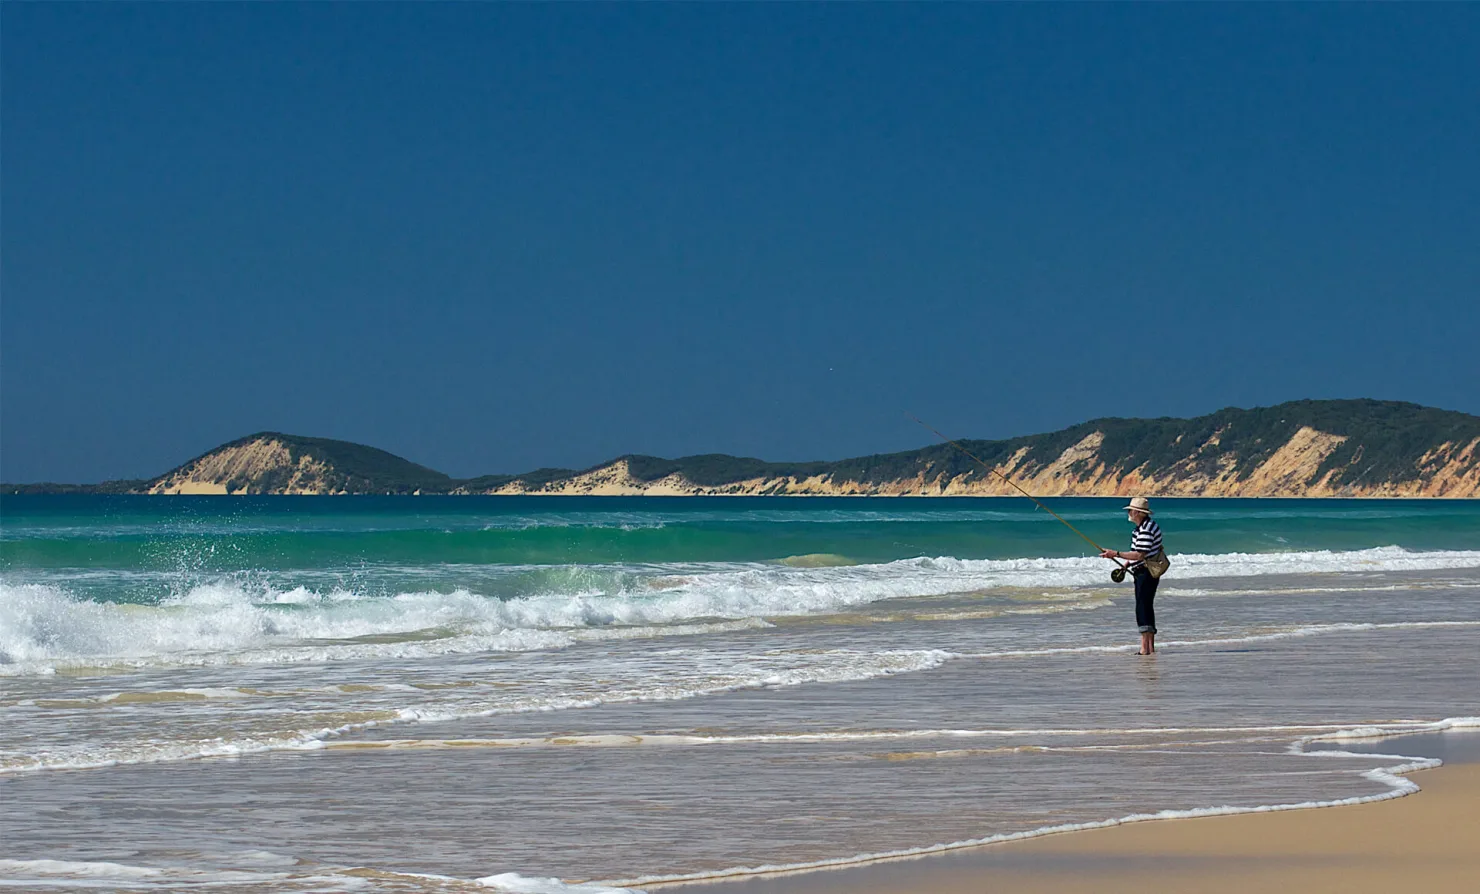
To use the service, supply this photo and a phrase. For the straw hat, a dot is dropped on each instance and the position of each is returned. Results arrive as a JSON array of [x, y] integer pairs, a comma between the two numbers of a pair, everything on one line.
[[1140, 504]]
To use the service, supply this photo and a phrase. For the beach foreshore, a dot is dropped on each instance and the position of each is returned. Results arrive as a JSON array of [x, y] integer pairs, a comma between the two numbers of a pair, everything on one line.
[[1428, 841]]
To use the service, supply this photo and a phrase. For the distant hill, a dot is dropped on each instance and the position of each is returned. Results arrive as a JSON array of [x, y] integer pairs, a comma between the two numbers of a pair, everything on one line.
[[1335, 448], [275, 463]]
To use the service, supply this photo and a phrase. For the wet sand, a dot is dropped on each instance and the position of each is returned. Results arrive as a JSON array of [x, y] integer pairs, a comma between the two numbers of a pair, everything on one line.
[[1428, 841]]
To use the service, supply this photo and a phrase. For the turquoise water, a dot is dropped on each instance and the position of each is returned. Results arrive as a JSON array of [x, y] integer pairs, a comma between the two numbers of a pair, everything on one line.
[[433, 694], [186, 535]]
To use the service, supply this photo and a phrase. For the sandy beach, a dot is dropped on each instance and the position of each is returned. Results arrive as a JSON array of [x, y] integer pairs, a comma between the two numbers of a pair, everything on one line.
[[1428, 841]]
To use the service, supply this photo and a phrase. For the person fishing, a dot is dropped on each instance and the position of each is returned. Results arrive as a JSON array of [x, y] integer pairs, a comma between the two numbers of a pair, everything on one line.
[[1147, 560], [1145, 544]]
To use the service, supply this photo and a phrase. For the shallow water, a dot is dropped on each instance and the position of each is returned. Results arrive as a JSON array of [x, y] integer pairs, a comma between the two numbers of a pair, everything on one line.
[[326, 717]]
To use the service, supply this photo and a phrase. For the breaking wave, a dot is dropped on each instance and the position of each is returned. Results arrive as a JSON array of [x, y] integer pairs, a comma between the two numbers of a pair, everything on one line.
[[229, 620]]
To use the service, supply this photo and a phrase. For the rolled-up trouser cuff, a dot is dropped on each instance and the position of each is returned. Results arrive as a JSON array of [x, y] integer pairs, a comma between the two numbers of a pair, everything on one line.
[[1146, 628]]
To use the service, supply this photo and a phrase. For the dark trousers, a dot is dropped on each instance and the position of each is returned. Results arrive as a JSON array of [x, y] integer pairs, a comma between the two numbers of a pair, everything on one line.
[[1145, 596]]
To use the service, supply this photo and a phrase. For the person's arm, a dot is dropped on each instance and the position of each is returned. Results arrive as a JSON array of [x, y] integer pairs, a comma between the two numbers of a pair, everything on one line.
[[1128, 555]]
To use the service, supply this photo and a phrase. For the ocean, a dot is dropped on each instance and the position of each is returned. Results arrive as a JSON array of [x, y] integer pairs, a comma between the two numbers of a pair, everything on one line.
[[549, 694]]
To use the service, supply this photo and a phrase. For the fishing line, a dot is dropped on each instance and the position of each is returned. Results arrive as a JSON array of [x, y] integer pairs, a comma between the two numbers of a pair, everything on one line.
[[1121, 569]]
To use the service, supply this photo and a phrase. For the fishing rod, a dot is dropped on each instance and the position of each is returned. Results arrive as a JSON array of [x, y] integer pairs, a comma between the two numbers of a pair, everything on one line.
[[1117, 575]]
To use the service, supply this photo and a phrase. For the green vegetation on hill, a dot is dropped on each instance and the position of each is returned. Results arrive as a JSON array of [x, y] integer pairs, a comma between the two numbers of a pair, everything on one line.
[[530, 480], [1387, 443], [1386, 439], [716, 469], [354, 468], [359, 467]]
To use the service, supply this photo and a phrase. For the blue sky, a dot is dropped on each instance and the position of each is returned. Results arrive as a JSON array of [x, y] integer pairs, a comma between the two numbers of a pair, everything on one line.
[[491, 238]]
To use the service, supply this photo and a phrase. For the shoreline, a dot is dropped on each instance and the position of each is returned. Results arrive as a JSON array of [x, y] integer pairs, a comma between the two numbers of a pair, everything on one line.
[[1364, 844]]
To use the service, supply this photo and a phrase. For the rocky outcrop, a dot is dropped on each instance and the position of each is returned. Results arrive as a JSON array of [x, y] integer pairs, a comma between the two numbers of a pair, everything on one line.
[[261, 465]]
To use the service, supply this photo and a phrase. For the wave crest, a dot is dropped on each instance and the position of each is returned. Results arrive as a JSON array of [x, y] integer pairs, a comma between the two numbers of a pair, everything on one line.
[[228, 621]]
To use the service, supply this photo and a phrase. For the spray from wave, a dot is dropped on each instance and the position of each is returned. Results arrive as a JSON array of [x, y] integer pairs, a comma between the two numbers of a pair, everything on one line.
[[230, 620]]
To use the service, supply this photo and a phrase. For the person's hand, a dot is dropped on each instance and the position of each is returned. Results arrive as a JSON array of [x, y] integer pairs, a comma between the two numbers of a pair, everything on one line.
[[1108, 554]]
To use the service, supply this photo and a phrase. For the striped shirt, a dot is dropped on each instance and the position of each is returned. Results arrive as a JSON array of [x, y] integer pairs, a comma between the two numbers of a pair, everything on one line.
[[1146, 541]]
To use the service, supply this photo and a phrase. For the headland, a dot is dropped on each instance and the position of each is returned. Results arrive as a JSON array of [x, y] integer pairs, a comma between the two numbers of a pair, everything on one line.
[[1333, 448]]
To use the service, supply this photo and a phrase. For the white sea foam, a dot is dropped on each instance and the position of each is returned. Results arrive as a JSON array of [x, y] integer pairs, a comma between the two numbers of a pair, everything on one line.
[[77, 868], [1088, 571], [1319, 732], [823, 666], [669, 740], [75, 875], [43, 627], [514, 883], [1385, 731], [829, 666]]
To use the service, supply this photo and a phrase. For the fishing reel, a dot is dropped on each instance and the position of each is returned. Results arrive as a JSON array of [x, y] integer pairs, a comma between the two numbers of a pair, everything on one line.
[[1118, 575]]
